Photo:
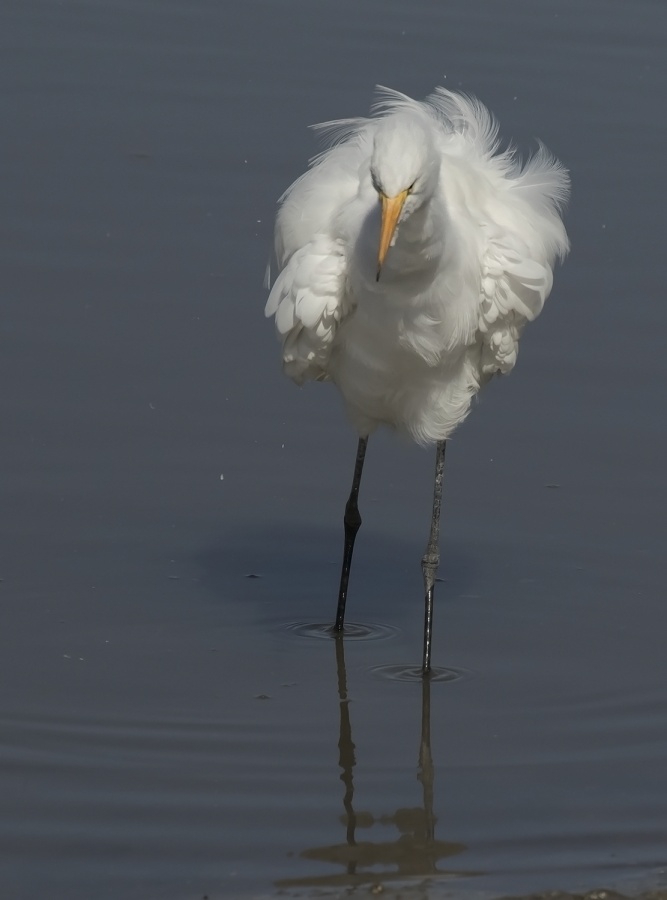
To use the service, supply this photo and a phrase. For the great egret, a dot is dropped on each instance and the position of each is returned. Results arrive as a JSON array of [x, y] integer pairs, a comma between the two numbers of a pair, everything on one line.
[[411, 255]]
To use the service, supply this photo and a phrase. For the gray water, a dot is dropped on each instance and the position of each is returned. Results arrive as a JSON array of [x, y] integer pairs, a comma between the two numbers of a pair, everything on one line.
[[167, 730]]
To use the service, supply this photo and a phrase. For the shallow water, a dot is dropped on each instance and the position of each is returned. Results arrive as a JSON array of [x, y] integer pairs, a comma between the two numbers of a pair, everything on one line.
[[168, 729]]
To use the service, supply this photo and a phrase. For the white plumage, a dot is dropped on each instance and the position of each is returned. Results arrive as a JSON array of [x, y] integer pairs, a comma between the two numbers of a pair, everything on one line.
[[409, 335]]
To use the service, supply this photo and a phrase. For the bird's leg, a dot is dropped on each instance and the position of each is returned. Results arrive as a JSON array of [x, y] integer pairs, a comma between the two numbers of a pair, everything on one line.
[[352, 521], [431, 558]]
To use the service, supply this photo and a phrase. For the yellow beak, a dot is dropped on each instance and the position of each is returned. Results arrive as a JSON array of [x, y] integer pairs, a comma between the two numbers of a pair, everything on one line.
[[391, 213]]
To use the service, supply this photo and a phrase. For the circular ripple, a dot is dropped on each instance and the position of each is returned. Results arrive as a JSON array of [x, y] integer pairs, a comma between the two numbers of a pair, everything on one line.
[[352, 631], [414, 673]]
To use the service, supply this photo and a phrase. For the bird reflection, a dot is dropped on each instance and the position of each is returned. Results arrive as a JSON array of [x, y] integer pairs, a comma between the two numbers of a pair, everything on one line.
[[415, 851]]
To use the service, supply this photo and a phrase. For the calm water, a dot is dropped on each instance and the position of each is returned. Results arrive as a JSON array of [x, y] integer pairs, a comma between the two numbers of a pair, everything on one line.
[[167, 732]]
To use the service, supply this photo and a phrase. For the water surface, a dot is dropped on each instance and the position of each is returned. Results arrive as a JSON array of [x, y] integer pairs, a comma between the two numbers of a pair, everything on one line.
[[167, 732]]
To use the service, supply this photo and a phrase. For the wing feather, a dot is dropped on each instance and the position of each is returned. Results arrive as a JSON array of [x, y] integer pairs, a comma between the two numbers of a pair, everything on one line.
[[310, 296], [513, 293], [309, 300], [523, 237]]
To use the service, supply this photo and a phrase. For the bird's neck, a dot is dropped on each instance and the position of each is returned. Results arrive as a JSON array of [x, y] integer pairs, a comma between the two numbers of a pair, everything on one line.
[[419, 241], [422, 226]]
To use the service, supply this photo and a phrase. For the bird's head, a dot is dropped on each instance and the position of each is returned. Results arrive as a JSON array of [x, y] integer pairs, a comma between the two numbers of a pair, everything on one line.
[[404, 171]]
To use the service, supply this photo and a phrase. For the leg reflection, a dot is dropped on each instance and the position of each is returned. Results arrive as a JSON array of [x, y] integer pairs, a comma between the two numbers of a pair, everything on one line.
[[425, 773], [346, 757], [415, 851]]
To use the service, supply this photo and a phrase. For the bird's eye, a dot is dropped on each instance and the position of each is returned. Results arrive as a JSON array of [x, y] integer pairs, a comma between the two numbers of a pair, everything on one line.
[[412, 186]]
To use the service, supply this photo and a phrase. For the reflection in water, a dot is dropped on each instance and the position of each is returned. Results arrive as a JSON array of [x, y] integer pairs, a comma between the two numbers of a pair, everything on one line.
[[415, 852]]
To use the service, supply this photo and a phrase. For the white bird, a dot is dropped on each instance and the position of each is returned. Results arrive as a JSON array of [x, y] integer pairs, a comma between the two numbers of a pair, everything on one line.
[[411, 255]]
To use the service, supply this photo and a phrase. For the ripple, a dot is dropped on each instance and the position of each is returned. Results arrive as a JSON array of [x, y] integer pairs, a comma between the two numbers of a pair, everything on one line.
[[414, 673], [352, 631]]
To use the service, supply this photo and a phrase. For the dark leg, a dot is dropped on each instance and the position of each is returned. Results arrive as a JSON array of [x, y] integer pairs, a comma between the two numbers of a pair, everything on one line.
[[352, 522], [431, 558]]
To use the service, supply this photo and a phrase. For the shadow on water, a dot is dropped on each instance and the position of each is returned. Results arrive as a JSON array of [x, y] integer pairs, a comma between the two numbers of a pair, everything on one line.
[[415, 851], [296, 558]]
